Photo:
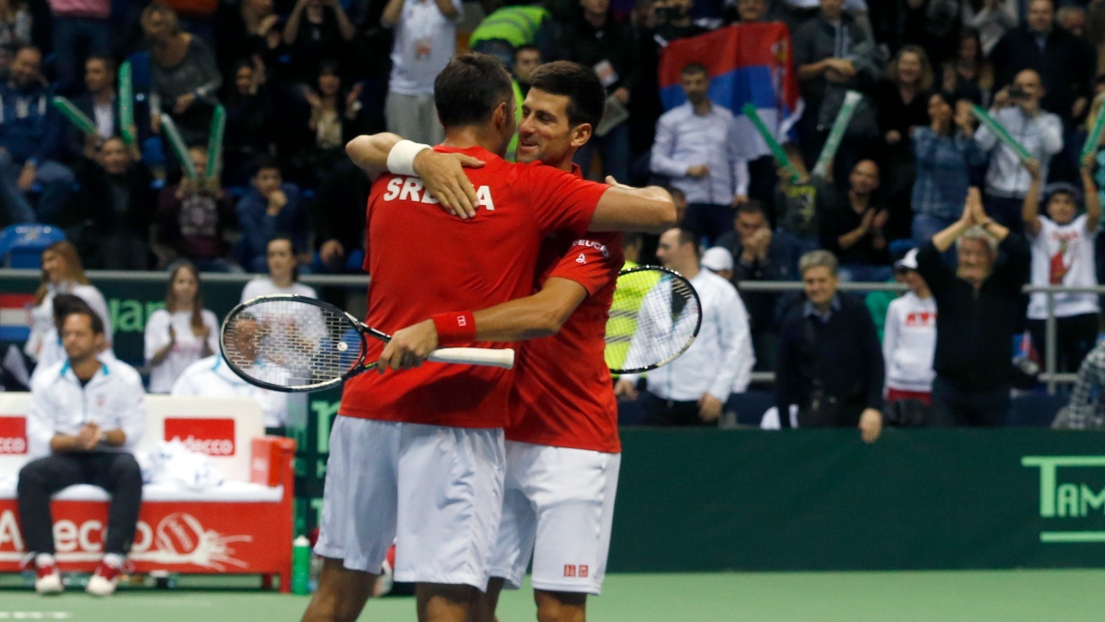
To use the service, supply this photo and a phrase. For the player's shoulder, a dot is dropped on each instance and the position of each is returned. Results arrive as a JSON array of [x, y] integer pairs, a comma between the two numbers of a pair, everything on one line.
[[300, 289], [253, 288], [121, 372], [202, 367], [714, 283], [42, 379], [161, 316]]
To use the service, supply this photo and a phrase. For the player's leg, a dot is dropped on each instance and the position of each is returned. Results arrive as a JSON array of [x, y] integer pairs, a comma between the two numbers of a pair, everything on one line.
[[573, 491], [517, 530], [358, 516], [450, 503], [341, 594], [560, 606], [445, 602]]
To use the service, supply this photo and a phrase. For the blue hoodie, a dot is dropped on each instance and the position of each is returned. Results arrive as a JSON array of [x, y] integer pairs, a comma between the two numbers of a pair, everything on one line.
[[30, 128]]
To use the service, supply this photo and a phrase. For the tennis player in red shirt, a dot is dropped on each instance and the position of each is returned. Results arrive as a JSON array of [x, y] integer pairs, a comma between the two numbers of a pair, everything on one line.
[[418, 456], [562, 446]]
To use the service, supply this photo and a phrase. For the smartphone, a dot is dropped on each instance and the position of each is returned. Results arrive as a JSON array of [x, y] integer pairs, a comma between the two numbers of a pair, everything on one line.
[[1016, 93]]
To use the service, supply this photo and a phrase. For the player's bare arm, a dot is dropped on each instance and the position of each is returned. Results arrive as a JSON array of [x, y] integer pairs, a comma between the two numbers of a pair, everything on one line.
[[532, 317], [622, 207], [441, 173]]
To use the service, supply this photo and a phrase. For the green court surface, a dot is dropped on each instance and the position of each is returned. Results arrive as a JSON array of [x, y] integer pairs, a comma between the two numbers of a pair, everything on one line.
[[975, 596]]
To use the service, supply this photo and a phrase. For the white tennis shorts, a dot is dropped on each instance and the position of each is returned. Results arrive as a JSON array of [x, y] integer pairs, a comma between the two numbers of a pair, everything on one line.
[[558, 507], [436, 491]]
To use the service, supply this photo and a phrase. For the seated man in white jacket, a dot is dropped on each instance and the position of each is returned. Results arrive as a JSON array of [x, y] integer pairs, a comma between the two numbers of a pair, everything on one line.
[[85, 417], [212, 377], [693, 389], [910, 338]]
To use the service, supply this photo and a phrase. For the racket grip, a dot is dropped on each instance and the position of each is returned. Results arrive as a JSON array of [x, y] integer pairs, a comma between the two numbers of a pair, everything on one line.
[[475, 356]]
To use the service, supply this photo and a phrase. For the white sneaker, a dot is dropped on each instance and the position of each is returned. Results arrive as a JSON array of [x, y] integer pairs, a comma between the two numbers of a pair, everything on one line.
[[104, 581], [48, 580]]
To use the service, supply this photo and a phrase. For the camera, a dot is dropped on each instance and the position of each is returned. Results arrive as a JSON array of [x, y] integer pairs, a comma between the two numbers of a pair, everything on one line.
[[1016, 93]]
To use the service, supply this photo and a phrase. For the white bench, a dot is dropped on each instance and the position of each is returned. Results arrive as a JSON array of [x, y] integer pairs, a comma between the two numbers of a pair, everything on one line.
[[242, 527]]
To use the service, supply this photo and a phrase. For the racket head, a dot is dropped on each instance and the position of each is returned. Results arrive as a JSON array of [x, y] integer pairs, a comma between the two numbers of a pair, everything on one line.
[[636, 344], [292, 343]]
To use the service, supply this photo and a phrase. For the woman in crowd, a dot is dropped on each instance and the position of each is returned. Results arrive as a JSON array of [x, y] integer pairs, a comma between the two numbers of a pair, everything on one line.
[[283, 273], [334, 120], [62, 273], [970, 76], [185, 76], [181, 333], [902, 102], [944, 153]]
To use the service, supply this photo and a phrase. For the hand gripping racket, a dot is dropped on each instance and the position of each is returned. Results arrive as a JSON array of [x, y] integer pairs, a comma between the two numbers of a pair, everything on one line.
[[655, 317], [296, 344]]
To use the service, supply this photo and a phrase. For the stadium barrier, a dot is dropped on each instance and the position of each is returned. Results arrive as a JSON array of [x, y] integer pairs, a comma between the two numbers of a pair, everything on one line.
[[243, 526], [708, 500]]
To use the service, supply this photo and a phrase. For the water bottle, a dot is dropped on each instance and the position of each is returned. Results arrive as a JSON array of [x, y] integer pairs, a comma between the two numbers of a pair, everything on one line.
[[301, 564]]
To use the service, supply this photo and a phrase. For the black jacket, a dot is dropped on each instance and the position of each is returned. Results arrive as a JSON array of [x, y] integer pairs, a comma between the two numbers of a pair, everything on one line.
[[1067, 65], [843, 357], [974, 328]]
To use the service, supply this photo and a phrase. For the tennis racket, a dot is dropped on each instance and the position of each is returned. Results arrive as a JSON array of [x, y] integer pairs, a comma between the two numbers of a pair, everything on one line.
[[297, 344], [655, 317]]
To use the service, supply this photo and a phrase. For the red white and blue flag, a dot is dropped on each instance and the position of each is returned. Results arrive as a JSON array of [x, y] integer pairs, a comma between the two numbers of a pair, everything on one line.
[[15, 316], [747, 63]]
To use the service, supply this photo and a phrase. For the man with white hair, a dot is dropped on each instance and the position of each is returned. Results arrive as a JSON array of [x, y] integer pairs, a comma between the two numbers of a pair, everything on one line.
[[980, 306]]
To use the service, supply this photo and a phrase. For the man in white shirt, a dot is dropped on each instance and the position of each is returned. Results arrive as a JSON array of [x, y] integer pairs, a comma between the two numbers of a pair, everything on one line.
[[425, 40], [85, 417], [1063, 254], [1018, 110], [693, 389], [212, 377], [697, 147], [909, 341]]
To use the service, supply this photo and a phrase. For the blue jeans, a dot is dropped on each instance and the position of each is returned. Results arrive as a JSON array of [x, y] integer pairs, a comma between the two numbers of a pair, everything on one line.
[[927, 225], [614, 148], [75, 39], [56, 181]]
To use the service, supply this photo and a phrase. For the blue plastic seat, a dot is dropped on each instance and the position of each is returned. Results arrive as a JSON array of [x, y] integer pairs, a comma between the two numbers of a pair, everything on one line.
[[21, 246]]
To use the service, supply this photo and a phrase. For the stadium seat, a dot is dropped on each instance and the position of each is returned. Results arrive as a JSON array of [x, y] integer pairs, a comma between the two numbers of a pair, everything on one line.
[[21, 246], [750, 406], [1035, 410]]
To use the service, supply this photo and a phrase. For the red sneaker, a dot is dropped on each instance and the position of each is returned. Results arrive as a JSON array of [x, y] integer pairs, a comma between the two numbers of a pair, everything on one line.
[[105, 580], [48, 580]]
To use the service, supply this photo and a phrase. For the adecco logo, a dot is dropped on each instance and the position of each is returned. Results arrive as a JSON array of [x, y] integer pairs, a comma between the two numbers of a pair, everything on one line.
[[13, 435], [213, 437]]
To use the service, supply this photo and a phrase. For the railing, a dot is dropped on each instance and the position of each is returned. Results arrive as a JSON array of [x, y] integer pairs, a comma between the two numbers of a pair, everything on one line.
[[1048, 376]]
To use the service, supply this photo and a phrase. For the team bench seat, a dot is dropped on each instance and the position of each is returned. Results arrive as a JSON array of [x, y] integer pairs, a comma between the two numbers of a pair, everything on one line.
[[241, 527]]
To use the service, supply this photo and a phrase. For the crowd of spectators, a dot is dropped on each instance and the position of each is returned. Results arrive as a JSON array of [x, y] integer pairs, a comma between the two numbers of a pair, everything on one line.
[[299, 78]]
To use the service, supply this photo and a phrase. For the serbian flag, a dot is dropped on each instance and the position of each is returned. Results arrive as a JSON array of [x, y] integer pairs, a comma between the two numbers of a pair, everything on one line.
[[15, 316], [747, 63]]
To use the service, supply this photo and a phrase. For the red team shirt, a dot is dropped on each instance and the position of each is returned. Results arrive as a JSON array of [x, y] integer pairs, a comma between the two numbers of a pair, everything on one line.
[[424, 261], [563, 395]]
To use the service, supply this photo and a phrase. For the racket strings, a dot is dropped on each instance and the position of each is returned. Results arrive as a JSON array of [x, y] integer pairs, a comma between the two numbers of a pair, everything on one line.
[[653, 319], [291, 344]]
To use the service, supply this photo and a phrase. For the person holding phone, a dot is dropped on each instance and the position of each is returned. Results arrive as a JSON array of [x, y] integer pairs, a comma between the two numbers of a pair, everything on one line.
[[1017, 109]]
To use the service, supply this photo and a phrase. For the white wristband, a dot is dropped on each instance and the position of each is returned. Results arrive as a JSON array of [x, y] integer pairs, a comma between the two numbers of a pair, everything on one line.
[[401, 157]]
